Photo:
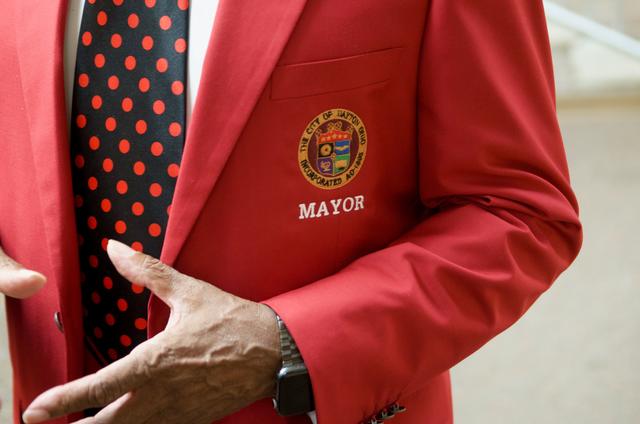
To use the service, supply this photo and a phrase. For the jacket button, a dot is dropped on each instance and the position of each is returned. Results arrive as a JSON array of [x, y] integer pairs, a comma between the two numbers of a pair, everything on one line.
[[57, 318]]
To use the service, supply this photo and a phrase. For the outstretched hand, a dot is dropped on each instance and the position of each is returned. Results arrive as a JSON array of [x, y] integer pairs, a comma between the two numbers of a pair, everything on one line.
[[218, 354]]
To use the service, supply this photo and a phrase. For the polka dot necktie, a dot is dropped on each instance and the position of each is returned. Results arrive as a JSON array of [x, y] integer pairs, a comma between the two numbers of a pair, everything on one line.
[[127, 138]]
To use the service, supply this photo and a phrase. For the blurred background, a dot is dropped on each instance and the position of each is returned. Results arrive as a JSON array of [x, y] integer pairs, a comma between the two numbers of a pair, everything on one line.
[[574, 358]]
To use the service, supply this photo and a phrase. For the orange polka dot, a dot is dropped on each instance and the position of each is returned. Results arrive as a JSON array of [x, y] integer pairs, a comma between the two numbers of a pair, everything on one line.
[[113, 354], [125, 340], [94, 143], [99, 60], [107, 282], [144, 84], [180, 45], [87, 38], [141, 126], [156, 148], [158, 107], [95, 297], [92, 182], [93, 262], [183, 4], [155, 230], [81, 121], [175, 129], [169, 210], [133, 21], [107, 165], [113, 82], [177, 88], [150, 3], [173, 170], [97, 332], [105, 205], [155, 189], [116, 41], [136, 288], [103, 243], [96, 102], [83, 80], [147, 42], [122, 187], [92, 222], [165, 22], [79, 161], [122, 305], [102, 18], [110, 319], [139, 168], [137, 246], [127, 104], [120, 227], [124, 146], [140, 323], [137, 208], [118, 2], [162, 65], [110, 123], [130, 63]]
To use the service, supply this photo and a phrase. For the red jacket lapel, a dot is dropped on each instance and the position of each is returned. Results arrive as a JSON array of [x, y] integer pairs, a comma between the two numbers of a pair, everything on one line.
[[39, 38], [245, 45], [39, 43]]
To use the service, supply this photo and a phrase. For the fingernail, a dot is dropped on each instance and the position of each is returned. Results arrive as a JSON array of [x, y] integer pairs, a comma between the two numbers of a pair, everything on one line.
[[119, 249], [33, 416], [27, 273]]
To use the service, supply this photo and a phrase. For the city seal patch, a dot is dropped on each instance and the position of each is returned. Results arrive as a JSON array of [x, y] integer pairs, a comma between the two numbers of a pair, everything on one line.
[[332, 149]]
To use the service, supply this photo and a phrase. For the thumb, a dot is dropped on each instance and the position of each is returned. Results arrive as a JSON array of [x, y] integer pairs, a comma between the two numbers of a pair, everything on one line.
[[16, 281], [146, 271]]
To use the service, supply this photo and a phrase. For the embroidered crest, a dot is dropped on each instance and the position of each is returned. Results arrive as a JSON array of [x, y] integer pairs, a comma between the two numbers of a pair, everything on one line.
[[332, 149]]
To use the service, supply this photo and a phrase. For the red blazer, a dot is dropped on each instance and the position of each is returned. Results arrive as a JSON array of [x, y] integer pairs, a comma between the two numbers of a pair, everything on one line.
[[441, 130]]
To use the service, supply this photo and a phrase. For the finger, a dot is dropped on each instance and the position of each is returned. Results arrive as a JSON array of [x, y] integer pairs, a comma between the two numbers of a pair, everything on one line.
[[16, 281], [128, 409], [92, 391], [133, 408], [147, 271], [95, 419]]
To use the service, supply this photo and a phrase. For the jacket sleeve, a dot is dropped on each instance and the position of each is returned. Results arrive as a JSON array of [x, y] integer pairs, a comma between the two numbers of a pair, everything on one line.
[[501, 220]]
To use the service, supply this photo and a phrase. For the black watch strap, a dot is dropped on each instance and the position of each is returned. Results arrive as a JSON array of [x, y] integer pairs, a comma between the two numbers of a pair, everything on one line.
[[290, 353], [294, 395]]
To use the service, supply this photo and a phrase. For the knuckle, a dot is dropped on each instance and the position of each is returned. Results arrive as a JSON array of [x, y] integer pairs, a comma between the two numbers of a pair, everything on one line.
[[154, 267], [63, 404], [101, 393]]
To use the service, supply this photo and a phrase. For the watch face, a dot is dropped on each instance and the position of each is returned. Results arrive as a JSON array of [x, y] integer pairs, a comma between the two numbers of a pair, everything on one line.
[[294, 395]]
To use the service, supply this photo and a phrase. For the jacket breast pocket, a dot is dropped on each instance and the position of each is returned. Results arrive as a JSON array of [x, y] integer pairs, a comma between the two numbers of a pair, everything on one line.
[[332, 75]]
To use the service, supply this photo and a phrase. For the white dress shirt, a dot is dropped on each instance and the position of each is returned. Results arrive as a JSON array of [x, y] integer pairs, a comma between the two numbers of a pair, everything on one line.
[[201, 18]]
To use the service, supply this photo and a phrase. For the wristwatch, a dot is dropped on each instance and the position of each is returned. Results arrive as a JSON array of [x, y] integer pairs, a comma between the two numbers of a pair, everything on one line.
[[294, 395]]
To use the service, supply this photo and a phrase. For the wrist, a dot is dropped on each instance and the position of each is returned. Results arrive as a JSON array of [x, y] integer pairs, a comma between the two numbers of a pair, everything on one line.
[[272, 351]]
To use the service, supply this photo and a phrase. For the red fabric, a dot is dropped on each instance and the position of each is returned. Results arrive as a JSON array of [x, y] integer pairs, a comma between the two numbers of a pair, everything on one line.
[[468, 213]]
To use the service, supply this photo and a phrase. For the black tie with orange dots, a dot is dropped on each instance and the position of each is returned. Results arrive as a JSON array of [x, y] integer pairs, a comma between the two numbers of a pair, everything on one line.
[[127, 137]]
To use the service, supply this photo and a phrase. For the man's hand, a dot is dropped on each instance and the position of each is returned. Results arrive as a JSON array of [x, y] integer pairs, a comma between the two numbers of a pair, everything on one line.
[[218, 354], [16, 281]]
